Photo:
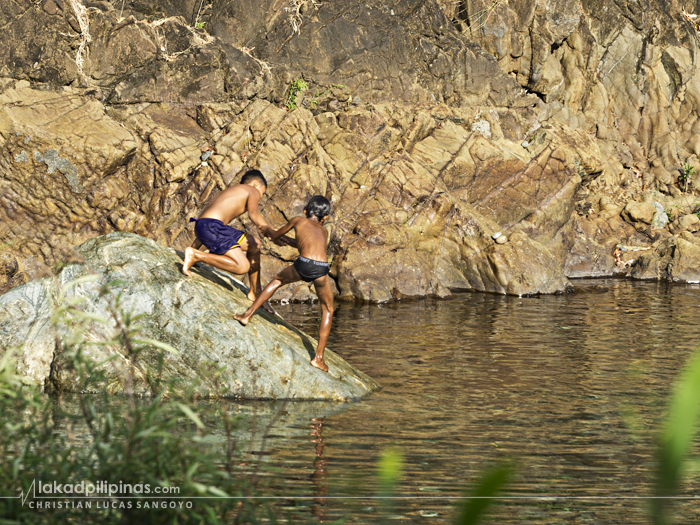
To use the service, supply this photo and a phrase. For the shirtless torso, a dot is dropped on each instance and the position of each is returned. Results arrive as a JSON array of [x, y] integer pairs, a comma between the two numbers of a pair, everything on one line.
[[311, 238], [234, 202]]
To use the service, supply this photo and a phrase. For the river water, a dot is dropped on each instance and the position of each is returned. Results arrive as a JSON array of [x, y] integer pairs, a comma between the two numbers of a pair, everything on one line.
[[571, 389]]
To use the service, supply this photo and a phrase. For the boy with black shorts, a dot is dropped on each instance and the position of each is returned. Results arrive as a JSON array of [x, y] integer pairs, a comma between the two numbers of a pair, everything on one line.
[[310, 266]]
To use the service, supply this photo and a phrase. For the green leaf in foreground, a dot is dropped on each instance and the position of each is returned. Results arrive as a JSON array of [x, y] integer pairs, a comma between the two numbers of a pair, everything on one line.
[[390, 467], [190, 414], [480, 500], [677, 436], [158, 344]]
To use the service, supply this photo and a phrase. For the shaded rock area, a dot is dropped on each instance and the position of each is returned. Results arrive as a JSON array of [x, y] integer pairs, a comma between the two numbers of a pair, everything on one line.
[[572, 128], [268, 359]]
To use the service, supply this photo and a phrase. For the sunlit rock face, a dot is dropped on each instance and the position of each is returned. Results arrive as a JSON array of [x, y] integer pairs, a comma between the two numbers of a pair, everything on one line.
[[430, 126], [214, 355]]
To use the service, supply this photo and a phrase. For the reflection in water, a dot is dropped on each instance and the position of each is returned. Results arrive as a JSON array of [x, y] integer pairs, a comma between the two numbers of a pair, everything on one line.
[[320, 476], [570, 387]]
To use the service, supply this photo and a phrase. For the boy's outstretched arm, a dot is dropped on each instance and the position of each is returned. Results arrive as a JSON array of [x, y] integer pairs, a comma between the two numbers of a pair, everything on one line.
[[276, 234], [254, 213], [289, 241], [285, 241]]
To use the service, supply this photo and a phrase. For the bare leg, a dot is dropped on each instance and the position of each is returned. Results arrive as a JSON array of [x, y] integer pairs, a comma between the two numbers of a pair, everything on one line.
[[251, 246], [325, 296], [286, 276], [233, 261], [189, 261]]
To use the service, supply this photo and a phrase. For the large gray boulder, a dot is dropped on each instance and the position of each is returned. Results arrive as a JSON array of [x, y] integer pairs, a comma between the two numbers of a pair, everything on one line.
[[268, 359]]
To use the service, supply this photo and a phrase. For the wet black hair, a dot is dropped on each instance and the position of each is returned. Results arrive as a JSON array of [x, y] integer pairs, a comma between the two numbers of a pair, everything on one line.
[[252, 175], [318, 206]]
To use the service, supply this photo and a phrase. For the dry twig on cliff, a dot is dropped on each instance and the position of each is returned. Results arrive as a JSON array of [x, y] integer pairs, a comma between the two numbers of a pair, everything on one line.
[[84, 22], [295, 15], [693, 19], [197, 39], [264, 66], [482, 16]]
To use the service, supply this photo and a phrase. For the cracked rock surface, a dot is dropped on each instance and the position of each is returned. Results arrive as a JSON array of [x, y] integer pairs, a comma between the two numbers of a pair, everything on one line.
[[430, 125]]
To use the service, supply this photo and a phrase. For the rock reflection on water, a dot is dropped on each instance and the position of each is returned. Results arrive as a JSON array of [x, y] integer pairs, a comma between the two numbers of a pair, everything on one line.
[[569, 387], [259, 426]]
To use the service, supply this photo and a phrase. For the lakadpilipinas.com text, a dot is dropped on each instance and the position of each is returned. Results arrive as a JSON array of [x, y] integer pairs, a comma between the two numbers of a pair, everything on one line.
[[103, 495]]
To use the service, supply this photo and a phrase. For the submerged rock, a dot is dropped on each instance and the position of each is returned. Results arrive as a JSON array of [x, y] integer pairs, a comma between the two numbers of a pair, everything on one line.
[[268, 359]]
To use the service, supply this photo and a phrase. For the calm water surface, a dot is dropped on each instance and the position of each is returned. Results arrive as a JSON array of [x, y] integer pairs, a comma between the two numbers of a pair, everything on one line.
[[570, 388]]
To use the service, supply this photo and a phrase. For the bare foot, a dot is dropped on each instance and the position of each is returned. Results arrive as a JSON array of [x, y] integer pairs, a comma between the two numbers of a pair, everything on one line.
[[266, 305], [241, 319], [189, 261], [319, 363]]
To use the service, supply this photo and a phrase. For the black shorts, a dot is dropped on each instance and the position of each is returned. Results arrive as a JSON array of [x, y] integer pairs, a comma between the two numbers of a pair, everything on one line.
[[309, 270]]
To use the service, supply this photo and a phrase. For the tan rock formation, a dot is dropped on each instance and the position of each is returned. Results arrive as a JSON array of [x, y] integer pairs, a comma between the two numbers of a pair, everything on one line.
[[539, 120], [675, 259]]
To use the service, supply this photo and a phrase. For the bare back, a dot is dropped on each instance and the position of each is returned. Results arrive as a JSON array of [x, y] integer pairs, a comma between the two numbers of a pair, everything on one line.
[[233, 202], [311, 239]]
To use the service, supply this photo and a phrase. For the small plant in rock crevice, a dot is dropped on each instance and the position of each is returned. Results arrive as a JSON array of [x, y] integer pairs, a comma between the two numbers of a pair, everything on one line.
[[686, 175], [200, 12], [296, 92], [296, 88], [693, 19]]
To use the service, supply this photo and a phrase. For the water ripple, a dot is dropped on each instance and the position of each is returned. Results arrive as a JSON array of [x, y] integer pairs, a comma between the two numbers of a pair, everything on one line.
[[571, 388]]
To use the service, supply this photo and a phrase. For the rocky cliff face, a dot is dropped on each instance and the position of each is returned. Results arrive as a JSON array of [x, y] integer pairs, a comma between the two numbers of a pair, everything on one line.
[[569, 127]]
